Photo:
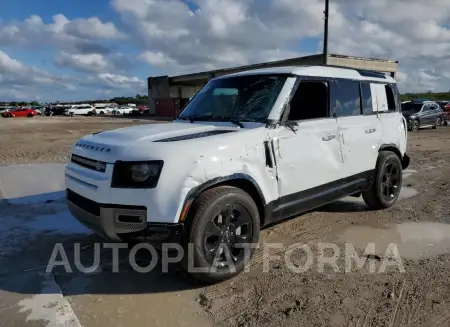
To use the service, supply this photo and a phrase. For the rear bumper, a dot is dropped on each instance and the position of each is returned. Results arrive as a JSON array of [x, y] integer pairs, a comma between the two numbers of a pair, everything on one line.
[[119, 223], [405, 161]]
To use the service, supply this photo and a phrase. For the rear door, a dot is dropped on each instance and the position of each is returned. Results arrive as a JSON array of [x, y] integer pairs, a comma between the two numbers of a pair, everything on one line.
[[359, 131]]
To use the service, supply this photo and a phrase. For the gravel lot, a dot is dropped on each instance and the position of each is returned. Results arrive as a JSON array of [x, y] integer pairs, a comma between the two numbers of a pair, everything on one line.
[[420, 296]]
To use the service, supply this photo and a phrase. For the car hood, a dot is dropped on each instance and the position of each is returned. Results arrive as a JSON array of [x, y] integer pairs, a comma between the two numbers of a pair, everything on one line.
[[110, 145]]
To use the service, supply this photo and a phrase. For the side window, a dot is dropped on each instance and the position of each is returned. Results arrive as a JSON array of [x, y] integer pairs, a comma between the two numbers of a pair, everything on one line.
[[426, 107], [390, 98], [366, 95], [310, 101], [347, 100], [434, 106]]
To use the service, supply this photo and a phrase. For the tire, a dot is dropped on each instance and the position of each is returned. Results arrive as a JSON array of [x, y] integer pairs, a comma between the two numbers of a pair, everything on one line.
[[30, 116], [206, 231], [375, 197], [445, 123], [71, 114], [415, 125], [438, 123], [102, 113]]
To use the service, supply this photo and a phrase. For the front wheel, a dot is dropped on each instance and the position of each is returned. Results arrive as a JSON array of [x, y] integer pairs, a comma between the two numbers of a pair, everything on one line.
[[414, 125], [71, 114], [30, 116], [387, 183], [223, 224], [438, 123]]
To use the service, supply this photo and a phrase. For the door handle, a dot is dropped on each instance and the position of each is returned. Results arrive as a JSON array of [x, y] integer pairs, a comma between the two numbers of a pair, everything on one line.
[[328, 137], [371, 130]]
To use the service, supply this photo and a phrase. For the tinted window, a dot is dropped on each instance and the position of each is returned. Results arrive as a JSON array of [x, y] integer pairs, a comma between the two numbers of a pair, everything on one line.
[[366, 95], [426, 107], [390, 98], [434, 106], [410, 106], [310, 101], [347, 101]]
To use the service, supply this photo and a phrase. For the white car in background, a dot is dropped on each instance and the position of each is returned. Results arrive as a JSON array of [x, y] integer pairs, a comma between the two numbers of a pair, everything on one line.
[[82, 109], [102, 109], [125, 110]]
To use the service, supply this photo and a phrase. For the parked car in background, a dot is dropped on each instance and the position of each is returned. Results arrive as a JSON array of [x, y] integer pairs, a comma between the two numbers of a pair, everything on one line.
[[123, 110], [54, 111], [5, 109], [421, 114], [39, 109], [21, 112], [82, 109], [445, 106], [140, 111], [101, 109]]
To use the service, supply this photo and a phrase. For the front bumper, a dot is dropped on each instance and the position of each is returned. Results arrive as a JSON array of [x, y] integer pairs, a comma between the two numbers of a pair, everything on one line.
[[119, 222]]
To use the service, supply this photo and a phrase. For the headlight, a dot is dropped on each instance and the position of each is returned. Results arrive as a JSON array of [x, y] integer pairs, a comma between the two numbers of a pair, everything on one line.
[[136, 174]]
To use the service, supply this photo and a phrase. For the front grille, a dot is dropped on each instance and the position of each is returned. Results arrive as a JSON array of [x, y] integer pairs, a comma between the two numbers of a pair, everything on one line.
[[81, 202], [89, 163]]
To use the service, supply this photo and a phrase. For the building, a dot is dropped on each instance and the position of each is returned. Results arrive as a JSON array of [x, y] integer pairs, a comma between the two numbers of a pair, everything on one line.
[[168, 94]]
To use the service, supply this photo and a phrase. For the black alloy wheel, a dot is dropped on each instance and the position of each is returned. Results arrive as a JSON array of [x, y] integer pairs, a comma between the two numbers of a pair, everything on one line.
[[226, 233], [390, 180], [221, 233], [386, 183]]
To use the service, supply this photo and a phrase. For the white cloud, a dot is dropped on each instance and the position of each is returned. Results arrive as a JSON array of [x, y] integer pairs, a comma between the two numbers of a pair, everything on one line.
[[84, 34]]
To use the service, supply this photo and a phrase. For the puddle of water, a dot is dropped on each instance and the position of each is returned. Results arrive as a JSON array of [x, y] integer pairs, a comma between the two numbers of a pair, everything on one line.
[[413, 240]]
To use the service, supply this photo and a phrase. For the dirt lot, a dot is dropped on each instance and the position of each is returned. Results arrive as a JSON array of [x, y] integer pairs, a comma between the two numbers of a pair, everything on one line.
[[419, 296]]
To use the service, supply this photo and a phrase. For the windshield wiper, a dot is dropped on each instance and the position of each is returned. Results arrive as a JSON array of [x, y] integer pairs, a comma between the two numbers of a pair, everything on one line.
[[236, 122]]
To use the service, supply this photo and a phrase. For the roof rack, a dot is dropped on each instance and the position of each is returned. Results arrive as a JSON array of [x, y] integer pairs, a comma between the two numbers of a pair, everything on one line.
[[362, 72]]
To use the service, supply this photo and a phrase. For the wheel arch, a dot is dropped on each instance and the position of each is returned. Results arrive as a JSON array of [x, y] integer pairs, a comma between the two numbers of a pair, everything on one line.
[[404, 159], [242, 181]]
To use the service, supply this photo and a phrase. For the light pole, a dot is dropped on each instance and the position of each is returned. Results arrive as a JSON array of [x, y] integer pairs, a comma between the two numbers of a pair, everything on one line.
[[325, 32]]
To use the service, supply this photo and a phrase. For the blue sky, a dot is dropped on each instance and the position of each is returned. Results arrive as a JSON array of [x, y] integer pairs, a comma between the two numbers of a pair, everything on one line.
[[80, 49]]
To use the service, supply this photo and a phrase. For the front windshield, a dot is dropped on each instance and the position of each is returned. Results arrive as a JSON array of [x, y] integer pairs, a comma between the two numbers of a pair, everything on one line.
[[243, 98], [411, 107]]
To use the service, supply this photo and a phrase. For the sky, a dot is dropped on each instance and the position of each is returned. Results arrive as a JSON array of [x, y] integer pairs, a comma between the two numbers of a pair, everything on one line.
[[83, 49]]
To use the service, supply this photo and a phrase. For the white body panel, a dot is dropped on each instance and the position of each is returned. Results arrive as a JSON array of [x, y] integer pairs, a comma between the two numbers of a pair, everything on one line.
[[361, 138], [308, 158], [319, 152]]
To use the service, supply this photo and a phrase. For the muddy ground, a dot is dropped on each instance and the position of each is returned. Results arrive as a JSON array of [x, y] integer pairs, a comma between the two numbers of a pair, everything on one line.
[[279, 296]]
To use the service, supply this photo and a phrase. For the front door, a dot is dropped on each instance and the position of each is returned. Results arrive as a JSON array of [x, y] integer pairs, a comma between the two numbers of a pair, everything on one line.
[[308, 150]]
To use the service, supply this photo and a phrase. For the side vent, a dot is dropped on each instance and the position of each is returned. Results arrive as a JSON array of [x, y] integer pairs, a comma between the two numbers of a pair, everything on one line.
[[268, 154]]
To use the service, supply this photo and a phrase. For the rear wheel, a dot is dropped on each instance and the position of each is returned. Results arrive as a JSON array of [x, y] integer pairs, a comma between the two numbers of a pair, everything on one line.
[[224, 224], [30, 116], [102, 113], [438, 123], [387, 183], [71, 114]]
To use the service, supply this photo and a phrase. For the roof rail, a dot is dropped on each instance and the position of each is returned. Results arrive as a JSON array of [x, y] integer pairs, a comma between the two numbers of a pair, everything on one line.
[[362, 72]]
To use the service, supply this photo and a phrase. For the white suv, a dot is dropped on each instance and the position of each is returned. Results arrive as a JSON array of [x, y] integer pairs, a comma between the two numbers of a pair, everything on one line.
[[83, 109], [250, 149]]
